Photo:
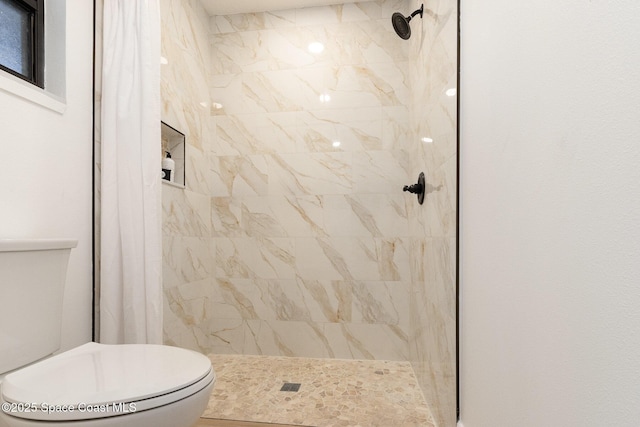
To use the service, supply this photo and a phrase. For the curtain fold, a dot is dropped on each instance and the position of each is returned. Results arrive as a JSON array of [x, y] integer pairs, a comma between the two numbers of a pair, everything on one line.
[[131, 212]]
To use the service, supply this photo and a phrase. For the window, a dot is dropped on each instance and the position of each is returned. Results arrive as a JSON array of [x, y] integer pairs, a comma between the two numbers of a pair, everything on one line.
[[22, 39]]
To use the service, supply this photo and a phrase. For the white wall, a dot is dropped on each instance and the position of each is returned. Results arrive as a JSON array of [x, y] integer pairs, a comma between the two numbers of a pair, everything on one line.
[[550, 213], [45, 170]]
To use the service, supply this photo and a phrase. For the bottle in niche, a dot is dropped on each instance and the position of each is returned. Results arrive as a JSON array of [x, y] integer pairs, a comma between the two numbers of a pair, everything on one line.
[[168, 165]]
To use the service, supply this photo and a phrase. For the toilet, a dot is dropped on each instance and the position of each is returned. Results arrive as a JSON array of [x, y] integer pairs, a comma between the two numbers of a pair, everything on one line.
[[93, 385]]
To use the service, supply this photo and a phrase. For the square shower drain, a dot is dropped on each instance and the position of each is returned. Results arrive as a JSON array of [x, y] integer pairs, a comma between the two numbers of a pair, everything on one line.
[[290, 387]]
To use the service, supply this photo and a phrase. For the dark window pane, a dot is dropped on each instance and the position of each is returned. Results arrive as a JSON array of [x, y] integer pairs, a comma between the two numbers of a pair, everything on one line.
[[15, 38]]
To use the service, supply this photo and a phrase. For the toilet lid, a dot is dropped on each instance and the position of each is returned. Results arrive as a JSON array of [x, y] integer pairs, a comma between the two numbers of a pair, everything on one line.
[[98, 380]]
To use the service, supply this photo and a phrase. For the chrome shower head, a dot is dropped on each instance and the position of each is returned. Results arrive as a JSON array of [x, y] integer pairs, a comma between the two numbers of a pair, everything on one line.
[[401, 23]]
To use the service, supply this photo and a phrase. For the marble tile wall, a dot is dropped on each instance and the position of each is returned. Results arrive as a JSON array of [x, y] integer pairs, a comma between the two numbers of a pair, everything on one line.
[[311, 239], [186, 223], [433, 115]]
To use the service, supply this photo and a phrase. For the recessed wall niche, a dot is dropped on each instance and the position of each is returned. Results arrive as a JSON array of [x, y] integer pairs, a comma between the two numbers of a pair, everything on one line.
[[173, 143]]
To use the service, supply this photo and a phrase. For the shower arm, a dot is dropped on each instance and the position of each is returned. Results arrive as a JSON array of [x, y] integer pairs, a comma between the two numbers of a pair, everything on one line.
[[418, 11]]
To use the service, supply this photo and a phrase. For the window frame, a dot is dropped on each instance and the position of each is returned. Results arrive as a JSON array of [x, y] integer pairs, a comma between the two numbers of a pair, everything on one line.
[[36, 9]]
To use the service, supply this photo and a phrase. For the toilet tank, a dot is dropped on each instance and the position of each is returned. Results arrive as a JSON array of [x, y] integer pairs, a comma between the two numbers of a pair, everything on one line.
[[32, 278]]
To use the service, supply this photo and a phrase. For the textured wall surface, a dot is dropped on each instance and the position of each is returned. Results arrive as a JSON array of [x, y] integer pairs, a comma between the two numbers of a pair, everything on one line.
[[550, 230]]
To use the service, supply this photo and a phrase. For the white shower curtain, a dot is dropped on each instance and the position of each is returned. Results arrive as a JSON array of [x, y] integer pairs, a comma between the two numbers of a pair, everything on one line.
[[131, 212]]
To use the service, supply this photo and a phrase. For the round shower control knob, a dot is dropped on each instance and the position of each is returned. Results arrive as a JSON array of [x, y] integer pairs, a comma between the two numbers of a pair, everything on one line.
[[417, 188]]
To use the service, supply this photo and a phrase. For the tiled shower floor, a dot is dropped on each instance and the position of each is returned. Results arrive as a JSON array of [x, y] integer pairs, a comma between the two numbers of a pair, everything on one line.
[[332, 392]]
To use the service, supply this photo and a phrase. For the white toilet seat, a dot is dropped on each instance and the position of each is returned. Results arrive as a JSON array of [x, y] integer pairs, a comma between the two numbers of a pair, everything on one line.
[[99, 381]]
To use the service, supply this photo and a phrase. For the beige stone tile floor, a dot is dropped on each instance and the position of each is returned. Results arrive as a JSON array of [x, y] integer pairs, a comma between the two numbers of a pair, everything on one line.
[[333, 392]]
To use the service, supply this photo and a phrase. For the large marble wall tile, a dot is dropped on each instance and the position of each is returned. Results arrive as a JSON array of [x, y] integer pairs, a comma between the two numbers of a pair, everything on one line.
[[379, 302], [352, 258], [356, 129], [249, 134], [275, 259], [356, 87], [226, 216], [279, 49], [211, 336], [341, 87], [387, 82], [269, 216], [185, 212], [283, 299], [286, 338], [321, 259], [239, 299], [439, 218], [366, 341], [189, 300], [197, 170], [363, 215], [289, 47], [343, 216], [240, 175], [392, 256], [301, 339], [190, 321], [352, 43], [310, 174], [309, 300], [291, 216], [282, 90], [171, 259], [327, 301], [369, 42], [227, 89], [350, 12], [252, 21], [388, 7], [442, 147], [418, 260], [176, 331], [235, 53], [188, 19], [242, 257], [381, 171], [223, 336], [186, 259], [320, 15], [194, 257], [381, 215], [396, 132]]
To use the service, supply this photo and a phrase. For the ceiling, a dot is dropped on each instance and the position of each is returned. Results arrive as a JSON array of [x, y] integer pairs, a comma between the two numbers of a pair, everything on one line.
[[230, 7]]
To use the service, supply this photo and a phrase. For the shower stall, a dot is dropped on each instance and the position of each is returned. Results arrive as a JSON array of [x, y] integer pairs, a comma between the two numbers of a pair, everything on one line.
[[292, 236]]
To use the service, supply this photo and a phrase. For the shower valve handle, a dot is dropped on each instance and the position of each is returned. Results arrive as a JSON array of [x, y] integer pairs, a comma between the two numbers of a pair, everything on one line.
[[414, 188], [417, 188]]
